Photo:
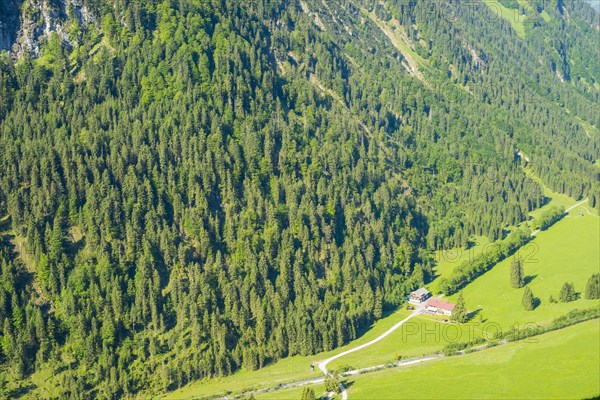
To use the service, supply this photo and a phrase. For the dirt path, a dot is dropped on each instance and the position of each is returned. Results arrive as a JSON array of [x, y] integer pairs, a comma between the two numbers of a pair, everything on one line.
[[323, 364], [566, 211]]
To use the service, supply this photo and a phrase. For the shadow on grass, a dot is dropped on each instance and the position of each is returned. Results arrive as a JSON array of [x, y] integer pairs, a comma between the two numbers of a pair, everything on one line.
[[475, 313], [529, 278], [347, 384]]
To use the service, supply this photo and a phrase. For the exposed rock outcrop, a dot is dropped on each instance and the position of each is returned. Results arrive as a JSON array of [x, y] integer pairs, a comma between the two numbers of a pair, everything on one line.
[[26, 24], [10, 11]]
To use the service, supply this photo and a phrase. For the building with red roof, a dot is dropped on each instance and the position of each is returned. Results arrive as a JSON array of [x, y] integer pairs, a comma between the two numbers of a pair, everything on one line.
[[438, 306]]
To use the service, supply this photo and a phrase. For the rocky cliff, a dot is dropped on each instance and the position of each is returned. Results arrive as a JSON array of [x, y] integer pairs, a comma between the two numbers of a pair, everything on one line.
[[26, 24], [10, 11]]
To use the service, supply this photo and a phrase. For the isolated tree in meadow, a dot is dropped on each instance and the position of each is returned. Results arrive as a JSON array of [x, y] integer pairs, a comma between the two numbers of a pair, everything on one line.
[[592, 289], [332, 384], [460, 313], [308, 394], [528, 299], [516, 273], [567, 293]]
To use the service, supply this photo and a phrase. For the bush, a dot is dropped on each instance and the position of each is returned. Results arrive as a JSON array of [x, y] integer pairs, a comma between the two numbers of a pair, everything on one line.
[[345, 368], [549, 217], [494, 253], [452, 348]]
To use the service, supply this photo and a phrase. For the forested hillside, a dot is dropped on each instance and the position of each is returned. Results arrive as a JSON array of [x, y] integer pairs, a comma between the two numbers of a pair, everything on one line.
[[188, 188]]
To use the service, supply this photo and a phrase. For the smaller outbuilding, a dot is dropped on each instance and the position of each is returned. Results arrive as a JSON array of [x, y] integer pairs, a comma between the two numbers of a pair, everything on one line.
[[419, 296]]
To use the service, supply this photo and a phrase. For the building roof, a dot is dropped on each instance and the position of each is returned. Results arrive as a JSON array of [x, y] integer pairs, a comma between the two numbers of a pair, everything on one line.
[[438, 303], [420, 292]]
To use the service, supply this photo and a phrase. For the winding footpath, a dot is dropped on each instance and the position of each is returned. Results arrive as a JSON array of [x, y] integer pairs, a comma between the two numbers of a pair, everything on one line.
[[577, 204], [323, 364], [313, 381]]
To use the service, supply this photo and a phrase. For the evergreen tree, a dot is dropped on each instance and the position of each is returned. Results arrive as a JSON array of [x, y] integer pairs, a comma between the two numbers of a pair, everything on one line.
[[528, 299], [516, 273], [567, 293], [308, 394], [460, 313], [592, 289], [332, 384]]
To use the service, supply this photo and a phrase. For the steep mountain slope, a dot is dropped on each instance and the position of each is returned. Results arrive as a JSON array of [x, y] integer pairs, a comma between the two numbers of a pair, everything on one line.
[[192, 187]]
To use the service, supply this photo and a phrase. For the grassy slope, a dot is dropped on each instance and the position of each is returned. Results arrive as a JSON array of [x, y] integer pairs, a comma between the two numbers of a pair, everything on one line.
[[569, 251], [286, 370], [554, 198], [516, 370], [419, 336], [447, 260], [509, 14]]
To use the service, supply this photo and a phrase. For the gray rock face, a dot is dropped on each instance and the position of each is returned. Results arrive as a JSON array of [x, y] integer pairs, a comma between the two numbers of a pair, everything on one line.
[[10, 12], [26, 24]]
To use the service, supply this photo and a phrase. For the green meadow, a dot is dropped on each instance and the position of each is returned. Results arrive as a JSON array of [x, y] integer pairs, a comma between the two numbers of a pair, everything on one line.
[[567, 252], [447, 260], [563, 364], [419, 336], [526, 369], [510, 14]]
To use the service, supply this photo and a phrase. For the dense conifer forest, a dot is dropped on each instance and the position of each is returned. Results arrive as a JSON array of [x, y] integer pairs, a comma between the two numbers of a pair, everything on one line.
[[188, 188]]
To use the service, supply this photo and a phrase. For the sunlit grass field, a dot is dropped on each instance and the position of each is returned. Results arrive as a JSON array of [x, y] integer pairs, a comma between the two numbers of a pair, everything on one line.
[[563, 364], [511, 15], [567, 252]]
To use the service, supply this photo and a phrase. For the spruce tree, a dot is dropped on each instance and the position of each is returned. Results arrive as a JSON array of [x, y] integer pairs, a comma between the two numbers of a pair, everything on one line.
[[567, 293], [308, 394], [460, 313], [528, 299], [516, 274], [592, 289], [332, 384]]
